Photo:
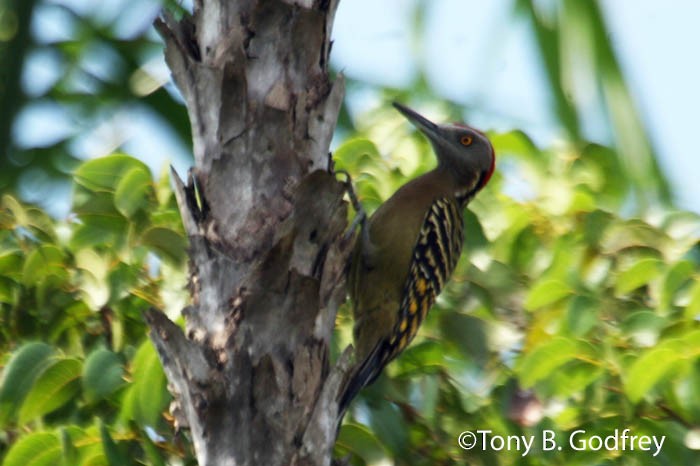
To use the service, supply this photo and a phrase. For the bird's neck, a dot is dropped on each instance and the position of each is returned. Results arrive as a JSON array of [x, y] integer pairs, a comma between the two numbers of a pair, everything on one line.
[[463, 185]]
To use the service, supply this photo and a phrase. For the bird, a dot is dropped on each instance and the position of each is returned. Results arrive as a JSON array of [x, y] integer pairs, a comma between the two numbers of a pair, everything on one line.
[[407, 250]]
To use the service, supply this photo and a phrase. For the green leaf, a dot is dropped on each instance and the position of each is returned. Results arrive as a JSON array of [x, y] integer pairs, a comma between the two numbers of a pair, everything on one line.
[[359, 441], [546, 292], [644, 326], [108, 232], [19, 375], [95, 459], [11, 264], [37, 449], [574, 377], [134, 192], [162, 188], [474, 237], [692, 310], [70, 452], [88, 444], [87, 203], [675, 278], [595, 225], [373, 178], [114, 456], [544, 359], [148, 396], [102, 374], [9, 291], [638, 275], [648, 370], [93, 270], [630, 234], [105, 173], [41, 225], [153, 453], [423, 356], [430, 395], [167, 243], [582, 315], [582, 202], [525, 245], [17, 211], [603, 161], [122, 278], [690, 344], [467, 333], [43, 261], [518, 143], [56, 385], [354, 153], [388, 425]]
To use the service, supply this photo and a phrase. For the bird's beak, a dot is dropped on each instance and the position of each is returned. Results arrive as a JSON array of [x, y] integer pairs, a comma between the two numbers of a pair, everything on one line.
[[426, 126]]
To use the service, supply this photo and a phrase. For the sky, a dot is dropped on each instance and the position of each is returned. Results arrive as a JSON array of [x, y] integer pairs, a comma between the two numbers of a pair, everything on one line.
[[658, 49], [473, 53]]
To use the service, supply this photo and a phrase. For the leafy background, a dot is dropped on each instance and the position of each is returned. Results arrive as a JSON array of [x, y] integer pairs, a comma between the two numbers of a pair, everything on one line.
[[575, 304]]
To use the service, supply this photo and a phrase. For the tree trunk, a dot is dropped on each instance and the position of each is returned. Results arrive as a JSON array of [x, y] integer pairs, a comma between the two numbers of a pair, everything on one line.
[[265, 217]]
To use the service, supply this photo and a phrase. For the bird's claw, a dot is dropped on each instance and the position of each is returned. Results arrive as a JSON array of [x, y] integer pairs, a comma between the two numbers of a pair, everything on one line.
[[360, 214], [359, 219]]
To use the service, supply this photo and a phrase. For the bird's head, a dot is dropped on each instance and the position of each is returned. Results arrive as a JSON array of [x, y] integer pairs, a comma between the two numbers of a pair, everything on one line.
[[463, 151]]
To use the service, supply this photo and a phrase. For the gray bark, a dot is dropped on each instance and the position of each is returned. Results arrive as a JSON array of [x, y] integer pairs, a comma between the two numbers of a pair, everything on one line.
[[265, 216]]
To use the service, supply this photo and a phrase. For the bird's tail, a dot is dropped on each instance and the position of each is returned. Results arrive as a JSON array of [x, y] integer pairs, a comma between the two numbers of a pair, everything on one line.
[[363, 375]]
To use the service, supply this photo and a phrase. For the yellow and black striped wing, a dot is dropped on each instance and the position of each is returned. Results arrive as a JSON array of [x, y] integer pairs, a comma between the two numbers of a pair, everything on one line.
[[435, 256], [434, 259]]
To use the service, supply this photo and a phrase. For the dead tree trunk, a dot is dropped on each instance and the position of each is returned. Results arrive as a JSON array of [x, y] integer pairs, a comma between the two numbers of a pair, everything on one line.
[[265, 216]]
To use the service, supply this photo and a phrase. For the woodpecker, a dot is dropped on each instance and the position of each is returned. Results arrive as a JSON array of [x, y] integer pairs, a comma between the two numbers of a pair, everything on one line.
[[409, 247]]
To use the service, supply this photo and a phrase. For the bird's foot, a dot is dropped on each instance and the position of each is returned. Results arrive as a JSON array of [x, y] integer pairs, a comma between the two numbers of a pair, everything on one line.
[[359, 219], [360, 214]]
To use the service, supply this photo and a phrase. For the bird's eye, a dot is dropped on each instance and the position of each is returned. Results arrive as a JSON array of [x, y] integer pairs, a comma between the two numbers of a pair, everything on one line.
[[466, 140]]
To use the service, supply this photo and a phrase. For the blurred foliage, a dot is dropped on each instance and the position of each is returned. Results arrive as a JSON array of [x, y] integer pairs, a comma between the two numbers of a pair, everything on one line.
[[81, 383], [15, 17], [583, 78], [576, 304], [92, 65], [579, 60], [562, 314]]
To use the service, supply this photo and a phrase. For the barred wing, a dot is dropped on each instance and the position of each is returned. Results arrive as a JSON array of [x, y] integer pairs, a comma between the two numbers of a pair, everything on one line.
[[435, 256]]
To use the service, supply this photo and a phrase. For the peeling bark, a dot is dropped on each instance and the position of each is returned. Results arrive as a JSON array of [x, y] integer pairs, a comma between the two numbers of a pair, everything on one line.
[[265, 217]]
